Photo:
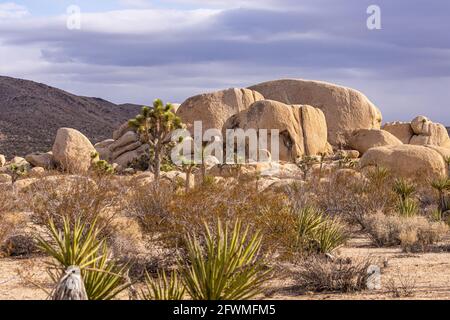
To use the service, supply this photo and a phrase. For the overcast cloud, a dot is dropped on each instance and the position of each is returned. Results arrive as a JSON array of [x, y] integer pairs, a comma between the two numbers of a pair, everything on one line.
[[137, 50]]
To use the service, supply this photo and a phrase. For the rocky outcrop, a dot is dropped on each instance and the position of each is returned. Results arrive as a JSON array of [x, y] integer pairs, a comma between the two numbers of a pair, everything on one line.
[[428, 132], [401, 130], [2, 160], [345, 109], [123, 150], [72, 151], [214, 109], [302, 129], [420, 131], [364, 139], [406, 161], [44, 160]]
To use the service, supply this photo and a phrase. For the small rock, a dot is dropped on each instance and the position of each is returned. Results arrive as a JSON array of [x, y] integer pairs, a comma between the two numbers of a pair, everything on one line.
[[37, 171]]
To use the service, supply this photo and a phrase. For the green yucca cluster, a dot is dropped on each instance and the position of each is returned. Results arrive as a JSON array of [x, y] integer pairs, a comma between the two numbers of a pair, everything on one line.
[[155, 126], [78, 245], [226, 267], [163, 287], [442, 186], [222, 264], [316, 232], [406, 206]]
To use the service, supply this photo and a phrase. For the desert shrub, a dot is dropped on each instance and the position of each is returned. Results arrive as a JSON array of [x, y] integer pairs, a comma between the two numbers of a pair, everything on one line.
[[8, 221], [75, 197], [79, 245], [170, 217], [150, 206], [163, 287], [318, 274], [410, 232], [401, 285], [349, 199], [224, 264]]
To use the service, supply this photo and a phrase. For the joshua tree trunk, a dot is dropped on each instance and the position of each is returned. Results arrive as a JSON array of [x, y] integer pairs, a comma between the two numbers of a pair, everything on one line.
[[157, 164]]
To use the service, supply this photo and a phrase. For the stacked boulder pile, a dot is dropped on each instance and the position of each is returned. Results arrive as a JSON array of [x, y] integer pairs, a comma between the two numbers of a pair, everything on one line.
[[313, 118], [124, 148]]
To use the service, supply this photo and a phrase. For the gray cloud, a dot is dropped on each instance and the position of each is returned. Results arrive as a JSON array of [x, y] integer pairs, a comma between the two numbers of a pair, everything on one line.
[[400, 67]]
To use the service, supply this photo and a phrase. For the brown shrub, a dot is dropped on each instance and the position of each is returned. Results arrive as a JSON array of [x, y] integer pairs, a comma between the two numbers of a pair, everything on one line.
[[319, 273], [413, 233], [73, 197]]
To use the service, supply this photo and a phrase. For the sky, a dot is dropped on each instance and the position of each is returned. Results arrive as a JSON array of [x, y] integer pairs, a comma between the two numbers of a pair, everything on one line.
[[138, 50]]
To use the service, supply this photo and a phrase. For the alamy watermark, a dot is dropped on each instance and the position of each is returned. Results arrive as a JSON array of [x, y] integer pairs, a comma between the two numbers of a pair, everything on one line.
[[374, 19], [238, 146], [73, 21]]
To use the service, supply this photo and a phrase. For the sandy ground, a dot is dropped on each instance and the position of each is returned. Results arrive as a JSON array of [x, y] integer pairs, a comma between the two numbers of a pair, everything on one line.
[[427, 273]]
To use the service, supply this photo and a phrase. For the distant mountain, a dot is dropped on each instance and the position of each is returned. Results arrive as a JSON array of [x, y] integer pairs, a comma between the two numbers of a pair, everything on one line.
[[31, 113], [448, 129]]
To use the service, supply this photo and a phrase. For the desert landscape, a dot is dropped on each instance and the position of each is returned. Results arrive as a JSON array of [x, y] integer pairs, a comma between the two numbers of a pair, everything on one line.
[[339, 205]]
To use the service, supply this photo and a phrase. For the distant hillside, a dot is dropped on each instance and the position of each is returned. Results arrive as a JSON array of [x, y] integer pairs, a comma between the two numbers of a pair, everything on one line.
[[31, 113], [448, 129]]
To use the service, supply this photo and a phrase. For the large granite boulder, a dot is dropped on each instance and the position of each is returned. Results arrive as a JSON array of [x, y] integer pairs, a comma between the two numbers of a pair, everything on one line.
[[345, 109]]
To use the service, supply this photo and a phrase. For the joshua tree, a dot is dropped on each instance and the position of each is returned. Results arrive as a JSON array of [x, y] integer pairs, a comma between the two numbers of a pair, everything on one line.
[[156, 126], [188, 166]]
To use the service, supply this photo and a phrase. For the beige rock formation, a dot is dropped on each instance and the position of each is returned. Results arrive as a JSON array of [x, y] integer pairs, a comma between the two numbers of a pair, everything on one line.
[[364, 139], [402, 130], [345, 109], [44, 160], [72, 151], [125, 159], [406, 161], [303, 129], [428, 132], [2, 160], [214, 109]]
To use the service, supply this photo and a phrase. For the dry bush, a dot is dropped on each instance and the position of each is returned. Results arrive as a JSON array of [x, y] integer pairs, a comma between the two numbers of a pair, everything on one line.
[[351, 199], [9, 221], [319, 273], [75, 197], [401, 285], [413, 233], [170, 215]]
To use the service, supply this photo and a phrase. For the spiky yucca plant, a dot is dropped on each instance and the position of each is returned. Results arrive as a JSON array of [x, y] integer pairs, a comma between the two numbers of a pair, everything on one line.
[[378, 175], [330, 236], [79, 245], [309, 220], [156, 126], [76, 245], [318, 233], [404, 188], [442, 185], [407, 207], [104, 279], [224, 266], [163, 288]]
